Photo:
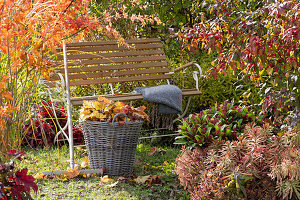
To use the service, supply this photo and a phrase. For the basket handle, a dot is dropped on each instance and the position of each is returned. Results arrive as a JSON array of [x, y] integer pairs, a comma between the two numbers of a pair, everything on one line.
[[118, 114]]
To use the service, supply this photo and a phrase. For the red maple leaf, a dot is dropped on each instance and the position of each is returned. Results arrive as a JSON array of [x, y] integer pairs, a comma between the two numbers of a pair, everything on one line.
[[17, 190], [27, 180]]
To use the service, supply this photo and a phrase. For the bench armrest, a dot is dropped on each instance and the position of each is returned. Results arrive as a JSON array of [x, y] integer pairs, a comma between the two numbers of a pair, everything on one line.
[[195, 73], [184, 66]]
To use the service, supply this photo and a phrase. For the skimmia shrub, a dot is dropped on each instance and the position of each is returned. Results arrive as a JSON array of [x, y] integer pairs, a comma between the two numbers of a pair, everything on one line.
[[43, 127], [259, 165], [15, 184], [220, 122]]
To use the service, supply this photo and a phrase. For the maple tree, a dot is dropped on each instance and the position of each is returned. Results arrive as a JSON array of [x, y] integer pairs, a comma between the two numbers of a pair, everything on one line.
[[250, 37], [257, 39], [30, 33]]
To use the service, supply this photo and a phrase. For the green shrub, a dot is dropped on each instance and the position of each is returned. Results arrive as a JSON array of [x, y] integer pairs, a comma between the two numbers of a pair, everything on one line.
[[221, 122], [219, 89]]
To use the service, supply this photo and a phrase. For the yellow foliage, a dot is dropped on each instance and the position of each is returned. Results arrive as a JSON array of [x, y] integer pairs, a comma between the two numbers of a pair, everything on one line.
[[104, 110]]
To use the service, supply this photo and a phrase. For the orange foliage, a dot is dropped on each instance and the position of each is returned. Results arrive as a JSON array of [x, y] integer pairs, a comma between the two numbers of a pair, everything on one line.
[[30, 29], [29, 32]]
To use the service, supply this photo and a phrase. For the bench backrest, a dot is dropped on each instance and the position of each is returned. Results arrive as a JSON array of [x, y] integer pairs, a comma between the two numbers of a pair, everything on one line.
[[107, 62]]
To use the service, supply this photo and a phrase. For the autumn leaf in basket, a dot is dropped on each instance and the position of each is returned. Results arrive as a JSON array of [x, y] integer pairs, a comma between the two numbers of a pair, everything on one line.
[[140, 115], [141, 108], [88, 105], [104, 100], [104, 110], [99, 106]]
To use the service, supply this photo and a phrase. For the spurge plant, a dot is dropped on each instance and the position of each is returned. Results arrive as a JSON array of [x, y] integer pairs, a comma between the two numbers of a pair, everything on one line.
[[259, 165]]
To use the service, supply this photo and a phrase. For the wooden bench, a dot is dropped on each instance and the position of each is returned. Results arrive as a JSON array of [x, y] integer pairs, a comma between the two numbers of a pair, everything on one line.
[[106, 62], [90, 63]]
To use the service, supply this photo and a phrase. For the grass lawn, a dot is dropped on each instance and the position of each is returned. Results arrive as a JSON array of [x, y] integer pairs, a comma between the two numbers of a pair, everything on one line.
[[159, 163]]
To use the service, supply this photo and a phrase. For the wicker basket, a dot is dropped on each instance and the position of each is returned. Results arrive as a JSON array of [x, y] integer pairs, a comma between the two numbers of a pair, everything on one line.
[[112, 146]]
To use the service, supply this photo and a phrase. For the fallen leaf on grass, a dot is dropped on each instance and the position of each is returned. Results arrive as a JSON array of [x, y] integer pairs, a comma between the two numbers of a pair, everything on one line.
[[166, 163], [62, 177], [106, 179], [71, 173], [141, 179], [85, 162], [86, 175], [154, 179], [150, 179], [152, 151], [39, 176]]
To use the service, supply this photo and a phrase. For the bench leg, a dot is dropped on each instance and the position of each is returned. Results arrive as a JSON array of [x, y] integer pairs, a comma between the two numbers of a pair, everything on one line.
[[70, 126], [70, 139], [184, 112], [62, 130]]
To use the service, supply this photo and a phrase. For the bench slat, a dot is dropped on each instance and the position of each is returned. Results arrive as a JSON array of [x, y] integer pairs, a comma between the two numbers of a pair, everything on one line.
[[113, 74], [112, 67], [116, 60], [111, 42], [112, 48], [121, 79], [111, 54], [77, 101]]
